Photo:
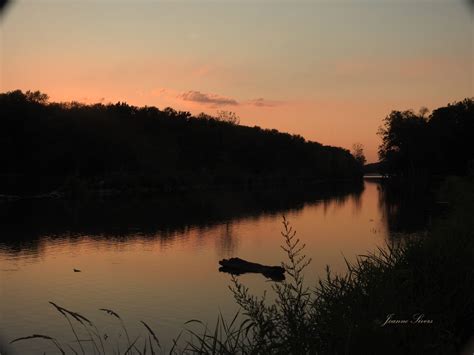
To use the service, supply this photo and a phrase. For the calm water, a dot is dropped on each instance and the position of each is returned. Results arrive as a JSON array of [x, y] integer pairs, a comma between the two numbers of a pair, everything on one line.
[[157, 260]]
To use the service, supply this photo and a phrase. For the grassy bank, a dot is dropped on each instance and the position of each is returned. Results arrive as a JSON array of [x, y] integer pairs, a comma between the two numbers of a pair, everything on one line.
[[411, 298]]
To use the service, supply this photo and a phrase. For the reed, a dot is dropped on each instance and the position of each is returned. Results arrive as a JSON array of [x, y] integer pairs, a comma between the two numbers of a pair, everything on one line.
[[94, 344]]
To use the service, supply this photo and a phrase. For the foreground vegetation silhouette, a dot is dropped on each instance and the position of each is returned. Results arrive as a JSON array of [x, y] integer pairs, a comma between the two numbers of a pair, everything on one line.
[[69, 147], [426, 280]]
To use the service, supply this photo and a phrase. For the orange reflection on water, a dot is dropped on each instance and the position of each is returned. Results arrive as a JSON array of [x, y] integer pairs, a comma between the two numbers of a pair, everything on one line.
[[171, 275]]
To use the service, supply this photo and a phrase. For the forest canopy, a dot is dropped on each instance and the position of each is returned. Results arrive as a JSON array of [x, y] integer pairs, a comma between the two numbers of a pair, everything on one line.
[[420, 144], [40, 138]]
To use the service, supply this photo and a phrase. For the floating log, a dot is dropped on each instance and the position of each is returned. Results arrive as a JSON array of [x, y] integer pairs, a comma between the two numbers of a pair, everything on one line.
[[237, 266]]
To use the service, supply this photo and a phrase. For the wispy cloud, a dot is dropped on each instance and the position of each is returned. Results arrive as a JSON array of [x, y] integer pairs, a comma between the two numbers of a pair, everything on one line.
[[208, 99], [261, 102], [211, 99]]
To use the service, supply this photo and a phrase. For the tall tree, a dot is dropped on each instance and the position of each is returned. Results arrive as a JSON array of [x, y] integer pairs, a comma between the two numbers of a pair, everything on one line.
[[358, 153], [441, 143]]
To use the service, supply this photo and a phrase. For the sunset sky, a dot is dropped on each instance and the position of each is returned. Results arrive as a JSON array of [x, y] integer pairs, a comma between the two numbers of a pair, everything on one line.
[[328, 70]]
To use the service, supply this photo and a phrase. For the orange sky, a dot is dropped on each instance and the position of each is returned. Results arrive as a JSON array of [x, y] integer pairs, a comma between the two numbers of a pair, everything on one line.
[[330, 71]]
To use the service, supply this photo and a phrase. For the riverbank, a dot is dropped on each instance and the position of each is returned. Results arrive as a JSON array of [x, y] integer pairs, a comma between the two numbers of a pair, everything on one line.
[[18, 187], [427, 281]]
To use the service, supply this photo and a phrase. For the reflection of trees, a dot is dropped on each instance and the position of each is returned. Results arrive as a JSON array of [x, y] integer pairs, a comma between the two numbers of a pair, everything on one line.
[[340, 200], [226, 242], [406, 206], [356, 202], [25, 223]]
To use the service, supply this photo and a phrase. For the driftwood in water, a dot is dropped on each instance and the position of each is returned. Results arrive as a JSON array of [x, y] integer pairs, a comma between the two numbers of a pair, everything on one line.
[[237, 266]]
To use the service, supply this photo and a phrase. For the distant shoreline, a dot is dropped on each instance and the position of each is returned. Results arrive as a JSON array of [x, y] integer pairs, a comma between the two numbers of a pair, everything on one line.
[[134, 185]]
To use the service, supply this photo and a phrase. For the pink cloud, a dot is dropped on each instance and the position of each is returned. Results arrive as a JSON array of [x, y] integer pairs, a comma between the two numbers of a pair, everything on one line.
[[208, 99], [212, 100], [261, 102]]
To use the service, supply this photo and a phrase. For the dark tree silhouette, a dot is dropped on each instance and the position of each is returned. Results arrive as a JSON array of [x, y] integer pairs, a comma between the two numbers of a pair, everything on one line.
[[119, 146], [403, 142], [441, 143], [358, 153], [228, 116]]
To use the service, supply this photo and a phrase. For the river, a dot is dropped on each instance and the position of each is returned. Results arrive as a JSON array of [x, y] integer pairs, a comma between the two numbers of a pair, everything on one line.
[[156, 260]]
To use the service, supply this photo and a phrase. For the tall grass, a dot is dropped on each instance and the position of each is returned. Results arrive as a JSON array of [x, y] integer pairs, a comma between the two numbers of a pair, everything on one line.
[[97, 342], [427, 281]]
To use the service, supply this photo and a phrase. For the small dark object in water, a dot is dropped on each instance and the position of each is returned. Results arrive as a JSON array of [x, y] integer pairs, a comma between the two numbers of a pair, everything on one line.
[[237, 266], [77, 270]]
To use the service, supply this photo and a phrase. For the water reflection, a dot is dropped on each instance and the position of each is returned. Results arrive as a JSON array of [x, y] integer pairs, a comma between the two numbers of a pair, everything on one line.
[[226, 243], [25, 224], [157, 259], [406, 206]]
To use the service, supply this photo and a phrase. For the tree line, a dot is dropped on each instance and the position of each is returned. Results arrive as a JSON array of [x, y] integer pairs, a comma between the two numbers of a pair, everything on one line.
[[164, 147], [440, 143]]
